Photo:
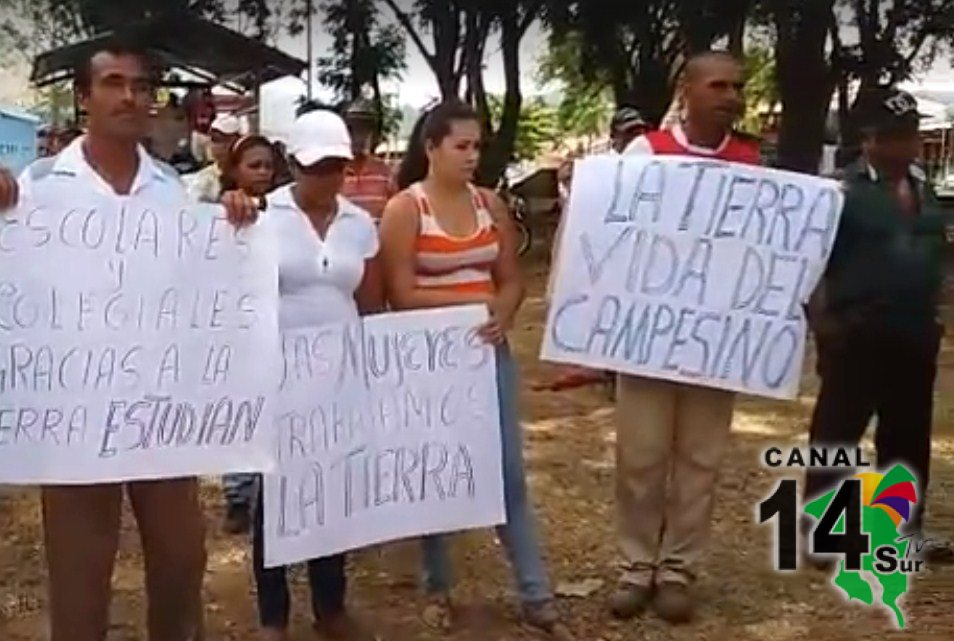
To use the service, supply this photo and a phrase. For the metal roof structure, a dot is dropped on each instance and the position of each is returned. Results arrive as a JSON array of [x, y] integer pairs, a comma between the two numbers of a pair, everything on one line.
[[17, 114], [212, 52]]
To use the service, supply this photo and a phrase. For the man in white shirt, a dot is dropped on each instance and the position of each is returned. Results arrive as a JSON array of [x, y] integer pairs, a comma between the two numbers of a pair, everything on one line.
[[205, 186], [81, 523]]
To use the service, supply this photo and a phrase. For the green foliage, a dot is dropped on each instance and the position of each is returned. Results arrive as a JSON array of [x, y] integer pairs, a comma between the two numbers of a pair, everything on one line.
[[637, 47], [38, 25], [53, 104], [537, 129], [585, 103], [363, 52], [29, 27], [761, 88]]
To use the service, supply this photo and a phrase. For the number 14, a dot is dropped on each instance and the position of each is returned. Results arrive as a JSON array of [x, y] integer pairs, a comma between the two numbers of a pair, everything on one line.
[[851, 542]]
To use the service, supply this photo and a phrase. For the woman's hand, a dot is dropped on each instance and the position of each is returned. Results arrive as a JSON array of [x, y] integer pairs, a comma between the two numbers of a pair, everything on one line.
[[240, 208], [494, 331], [9, 193]]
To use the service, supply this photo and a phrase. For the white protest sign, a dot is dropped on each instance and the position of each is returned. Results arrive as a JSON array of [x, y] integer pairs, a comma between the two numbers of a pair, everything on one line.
[[691, 270], [387, 428], [138, 340]]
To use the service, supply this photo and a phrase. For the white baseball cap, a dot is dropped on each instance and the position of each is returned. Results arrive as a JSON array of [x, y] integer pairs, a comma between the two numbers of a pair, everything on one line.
[[318, 135], [227, 124]]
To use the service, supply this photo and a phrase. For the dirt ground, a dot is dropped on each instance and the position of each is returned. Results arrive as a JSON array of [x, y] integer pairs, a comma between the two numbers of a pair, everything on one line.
[[570, 439]]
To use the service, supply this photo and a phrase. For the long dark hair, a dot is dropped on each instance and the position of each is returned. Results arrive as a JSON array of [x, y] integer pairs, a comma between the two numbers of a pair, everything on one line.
[[432, 127], [242, 145]]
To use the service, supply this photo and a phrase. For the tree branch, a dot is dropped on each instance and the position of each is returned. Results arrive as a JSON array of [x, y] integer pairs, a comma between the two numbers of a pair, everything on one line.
[[917, 44], [408, 25], [530, 14]]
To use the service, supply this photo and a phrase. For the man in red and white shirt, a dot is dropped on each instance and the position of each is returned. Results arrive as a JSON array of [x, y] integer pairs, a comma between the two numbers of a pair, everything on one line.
[[369, 181], [670, 436]]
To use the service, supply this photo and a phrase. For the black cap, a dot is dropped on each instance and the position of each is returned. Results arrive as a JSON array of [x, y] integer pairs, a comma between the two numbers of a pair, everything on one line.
[[887, 109], [625, 118]]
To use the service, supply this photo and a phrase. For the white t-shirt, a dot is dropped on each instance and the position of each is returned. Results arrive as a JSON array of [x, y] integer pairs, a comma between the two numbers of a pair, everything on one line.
[[317, 278]]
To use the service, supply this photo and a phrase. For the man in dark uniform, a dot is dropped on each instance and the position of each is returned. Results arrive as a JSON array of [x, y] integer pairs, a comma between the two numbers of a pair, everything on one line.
[[875, 316]]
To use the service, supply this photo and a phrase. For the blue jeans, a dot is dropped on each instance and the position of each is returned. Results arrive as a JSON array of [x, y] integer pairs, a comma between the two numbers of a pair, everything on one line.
[[239, 489], [518, 534]]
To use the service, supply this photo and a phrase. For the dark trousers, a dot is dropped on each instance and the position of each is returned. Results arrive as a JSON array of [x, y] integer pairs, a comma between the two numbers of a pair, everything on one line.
[[888, 375], [326, 578]]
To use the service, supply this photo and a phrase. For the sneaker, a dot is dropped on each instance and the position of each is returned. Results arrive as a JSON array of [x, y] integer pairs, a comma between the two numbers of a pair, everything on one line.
[[630, 600], [238, 520], [672, 602], [544, 616]]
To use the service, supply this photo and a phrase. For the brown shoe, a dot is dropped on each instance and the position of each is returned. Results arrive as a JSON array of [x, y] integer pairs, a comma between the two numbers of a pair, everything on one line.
[[630, 600], [673, 602], [438, 613], [544, 616]]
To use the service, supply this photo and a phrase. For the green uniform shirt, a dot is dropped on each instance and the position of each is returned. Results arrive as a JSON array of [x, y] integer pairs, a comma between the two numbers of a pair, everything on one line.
[[886, 268]]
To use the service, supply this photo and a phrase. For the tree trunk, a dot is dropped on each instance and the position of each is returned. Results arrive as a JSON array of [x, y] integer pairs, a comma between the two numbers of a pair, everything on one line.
[[500, 149], [445, 23], [378, 134], [804, 81], [737, 38]]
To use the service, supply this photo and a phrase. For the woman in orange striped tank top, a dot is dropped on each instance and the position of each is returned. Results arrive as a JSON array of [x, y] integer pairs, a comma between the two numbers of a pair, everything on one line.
[[446, 242]]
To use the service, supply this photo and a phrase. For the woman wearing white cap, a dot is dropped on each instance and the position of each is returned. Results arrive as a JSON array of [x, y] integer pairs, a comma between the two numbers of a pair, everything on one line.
[[327, 274]]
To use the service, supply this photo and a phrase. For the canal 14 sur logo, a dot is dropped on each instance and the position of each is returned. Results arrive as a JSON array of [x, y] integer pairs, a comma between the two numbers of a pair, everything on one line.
[[856, 526]]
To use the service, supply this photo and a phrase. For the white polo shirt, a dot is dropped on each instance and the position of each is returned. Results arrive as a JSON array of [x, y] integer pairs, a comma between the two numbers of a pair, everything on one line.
[[70, 172], [317, 278]]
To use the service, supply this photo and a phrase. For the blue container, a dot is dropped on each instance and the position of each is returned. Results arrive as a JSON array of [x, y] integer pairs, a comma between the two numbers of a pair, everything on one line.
[[17, 139]]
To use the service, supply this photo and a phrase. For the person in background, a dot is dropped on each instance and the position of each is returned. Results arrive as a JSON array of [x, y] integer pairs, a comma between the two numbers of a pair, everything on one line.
[[250, 168], [81, 523], [182, 159], [328, 273], [445, 242], [205, 186], [875, 316], [369, 181], [282, 168], [44, 142], [627, 125], [670, 436]]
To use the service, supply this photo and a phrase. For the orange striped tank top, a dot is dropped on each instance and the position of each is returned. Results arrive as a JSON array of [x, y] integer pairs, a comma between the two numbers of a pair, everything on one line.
[[453, 263]]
